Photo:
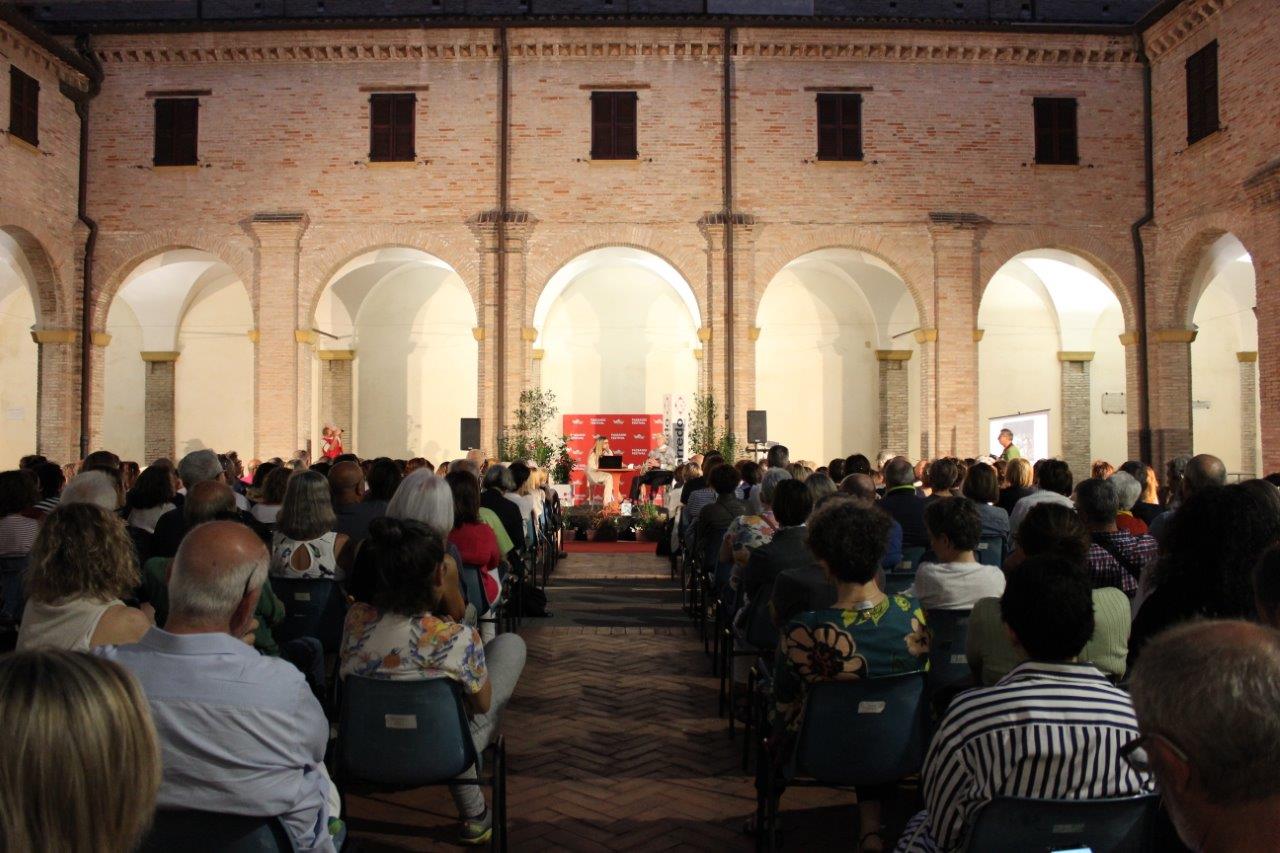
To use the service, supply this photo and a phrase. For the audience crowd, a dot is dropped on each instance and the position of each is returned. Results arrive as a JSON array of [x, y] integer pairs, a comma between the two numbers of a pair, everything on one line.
[[1077, 639]]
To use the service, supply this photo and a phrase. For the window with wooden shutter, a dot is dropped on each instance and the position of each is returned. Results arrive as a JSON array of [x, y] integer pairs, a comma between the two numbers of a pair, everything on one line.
[[1056, 137], [613, 125], [24, 106], [391, 127], [839, 127], [177, 131], [1202, 93]]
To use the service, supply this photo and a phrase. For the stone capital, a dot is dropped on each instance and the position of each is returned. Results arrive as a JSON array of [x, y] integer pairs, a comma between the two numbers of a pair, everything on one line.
[[893, 355], [1247, 357], [1129, 339], [277, 230], [926, 336], [1173, 336], [55, 336], [155, 356], [517, 225], [745, 227], [477, 332], [100, 339], [1075, 355], [978, 335], [305, 336], [336, 354]]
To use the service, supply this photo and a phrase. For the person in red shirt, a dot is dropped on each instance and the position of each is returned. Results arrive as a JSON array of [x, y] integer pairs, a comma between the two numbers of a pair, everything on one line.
[[475, 540], [331, 442]]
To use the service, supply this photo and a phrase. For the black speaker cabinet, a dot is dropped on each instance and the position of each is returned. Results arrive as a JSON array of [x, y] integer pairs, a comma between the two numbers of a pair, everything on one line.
[[470, 439], [757, 426]]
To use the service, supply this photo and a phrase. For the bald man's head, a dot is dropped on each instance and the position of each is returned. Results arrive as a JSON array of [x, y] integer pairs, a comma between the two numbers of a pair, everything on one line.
[[217, 575], [1204, 471], [346, 480], [860, 486], [208, 500]]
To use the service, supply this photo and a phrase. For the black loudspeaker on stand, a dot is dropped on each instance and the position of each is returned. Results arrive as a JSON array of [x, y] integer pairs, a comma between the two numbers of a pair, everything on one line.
[[757, 426], [470, 438]]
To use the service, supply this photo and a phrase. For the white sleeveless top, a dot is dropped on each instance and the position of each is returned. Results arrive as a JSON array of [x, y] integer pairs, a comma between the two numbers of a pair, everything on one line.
[[68, 624], [322, 565]]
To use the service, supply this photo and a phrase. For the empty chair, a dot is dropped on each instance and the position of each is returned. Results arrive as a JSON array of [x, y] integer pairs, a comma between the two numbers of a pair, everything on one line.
[[1122, 825], [208, 832], [990, 551], [948, 665], [313, 607]]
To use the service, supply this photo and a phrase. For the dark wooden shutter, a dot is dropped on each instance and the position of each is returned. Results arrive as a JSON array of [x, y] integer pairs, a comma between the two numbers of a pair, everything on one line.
[[1057, 140], [613, 125], [391, 127], [1202, 92], [24, 106], [177, 137], [839, 127]]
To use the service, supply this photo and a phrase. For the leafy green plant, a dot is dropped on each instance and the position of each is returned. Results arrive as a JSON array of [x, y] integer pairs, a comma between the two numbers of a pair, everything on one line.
[[709, 430], [527, 438]]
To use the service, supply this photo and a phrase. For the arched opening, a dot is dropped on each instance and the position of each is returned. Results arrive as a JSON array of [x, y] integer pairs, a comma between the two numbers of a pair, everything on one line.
[[836, 365], [1224, 368], [617, 328], [1048, 317], [19, 355], [180, 349], [402, 321]]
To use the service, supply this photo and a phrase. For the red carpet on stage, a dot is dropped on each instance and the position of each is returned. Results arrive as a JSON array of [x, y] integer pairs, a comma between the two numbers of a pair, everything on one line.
[[573, 546]]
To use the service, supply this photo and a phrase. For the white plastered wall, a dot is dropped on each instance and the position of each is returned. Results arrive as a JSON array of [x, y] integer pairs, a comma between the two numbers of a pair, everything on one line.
[[18, 356], [1226, 324], [1038, 304], [125, 385]]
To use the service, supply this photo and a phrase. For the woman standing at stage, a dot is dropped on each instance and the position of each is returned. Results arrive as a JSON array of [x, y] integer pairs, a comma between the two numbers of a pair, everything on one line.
[[594, 474]]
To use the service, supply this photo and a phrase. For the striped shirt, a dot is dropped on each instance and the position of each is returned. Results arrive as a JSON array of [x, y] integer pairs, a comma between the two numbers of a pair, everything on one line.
[[1044, 731]]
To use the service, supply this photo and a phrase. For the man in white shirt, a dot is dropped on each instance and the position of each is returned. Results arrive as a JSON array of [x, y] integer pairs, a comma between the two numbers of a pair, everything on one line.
[[955, 580], [1053, 484]]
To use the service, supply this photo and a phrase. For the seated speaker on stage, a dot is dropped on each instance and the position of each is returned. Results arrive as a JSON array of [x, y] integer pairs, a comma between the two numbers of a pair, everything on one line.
[[595, 476], [659, 468]]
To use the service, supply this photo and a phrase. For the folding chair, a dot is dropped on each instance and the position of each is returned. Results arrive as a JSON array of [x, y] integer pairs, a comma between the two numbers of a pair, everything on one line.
[[948, 665], [401, 735], [1013, 824], [990, 551], [313, 607], [209, 832]]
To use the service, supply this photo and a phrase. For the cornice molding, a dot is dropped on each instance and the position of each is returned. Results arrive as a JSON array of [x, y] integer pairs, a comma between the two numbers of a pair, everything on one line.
[[14, 42], [1180, 26], [873, 46]]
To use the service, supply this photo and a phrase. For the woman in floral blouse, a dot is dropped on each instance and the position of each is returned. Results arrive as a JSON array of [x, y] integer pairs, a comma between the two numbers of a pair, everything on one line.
[[864, 634], [398, 636]]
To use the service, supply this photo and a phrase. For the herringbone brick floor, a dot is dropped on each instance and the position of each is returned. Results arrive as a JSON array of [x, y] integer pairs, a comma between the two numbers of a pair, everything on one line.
[[614, 744]]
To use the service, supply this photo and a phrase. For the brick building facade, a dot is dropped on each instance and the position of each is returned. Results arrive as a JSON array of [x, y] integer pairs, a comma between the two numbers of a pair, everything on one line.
[[947, 191]]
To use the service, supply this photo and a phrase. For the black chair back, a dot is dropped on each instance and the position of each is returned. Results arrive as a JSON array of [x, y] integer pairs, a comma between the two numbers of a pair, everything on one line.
[[313, 607], [1122, 825], [948, 664], [191, 831]]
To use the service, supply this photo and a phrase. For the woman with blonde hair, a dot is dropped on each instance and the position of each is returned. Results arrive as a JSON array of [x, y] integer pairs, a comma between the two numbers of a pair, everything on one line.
[[596, 477], [305, 544], [83, 767], [82, 564], [1019, 475]]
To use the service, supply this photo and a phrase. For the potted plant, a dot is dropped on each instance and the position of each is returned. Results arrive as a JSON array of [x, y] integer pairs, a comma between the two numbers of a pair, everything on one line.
[[650, 523], [604, 527]]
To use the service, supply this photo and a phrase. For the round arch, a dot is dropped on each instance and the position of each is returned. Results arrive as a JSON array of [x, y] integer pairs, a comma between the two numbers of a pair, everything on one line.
[[24, 252], [27, 302]]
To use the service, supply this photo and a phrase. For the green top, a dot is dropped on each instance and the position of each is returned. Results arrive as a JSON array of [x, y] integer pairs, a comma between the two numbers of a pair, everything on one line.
[[991, 654], [1011, 452], [269, 613], [490, 518]]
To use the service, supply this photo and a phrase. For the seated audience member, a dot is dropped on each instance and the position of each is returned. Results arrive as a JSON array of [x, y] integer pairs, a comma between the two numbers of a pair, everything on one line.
[[98, 486], [101, 460], [259, 481], [1101, 469], [519, 495], [404, 615], [129, 472], [196, 467], [267, 509], [1206, 566], [857, 463], [82, 564], [476, 542], [19, 523], [150, 498], [1194, 475], [716, 517], [800, 471], [1205, 695], [702, 495], [1147, 506], [1054, 482], [1116, 557], [1266, 587], [862, 487], [902, 503], [304, 544], [792, 504], [944, 477], [835, 470], [527, 488], [982, 486], [863, 633], [748, 532], [820, 486], [383, 479], [1050, 729], [51, 480], [352, 513], [1053, 530], [954, 580], [1127, 492], [424, 497], [498, 483], [1017, 476], [777, 457], [82, 767], [240, 733], [751, 475]]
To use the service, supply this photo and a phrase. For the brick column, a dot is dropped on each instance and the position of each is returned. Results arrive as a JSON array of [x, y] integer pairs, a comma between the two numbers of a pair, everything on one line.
[[158, 432], [894, 402], [1263, 192], [956, 249], [1248, 413], [336, 399], [57, 393], [1131, 341], [928, 341], [277, 365], [1077, 419], [1170, 371]]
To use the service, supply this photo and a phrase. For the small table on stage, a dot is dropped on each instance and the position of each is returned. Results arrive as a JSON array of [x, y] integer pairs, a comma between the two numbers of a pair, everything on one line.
[[617, 474]]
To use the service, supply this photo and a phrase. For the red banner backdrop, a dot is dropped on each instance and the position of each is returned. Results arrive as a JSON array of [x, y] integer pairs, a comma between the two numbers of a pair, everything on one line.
[[630, 436]]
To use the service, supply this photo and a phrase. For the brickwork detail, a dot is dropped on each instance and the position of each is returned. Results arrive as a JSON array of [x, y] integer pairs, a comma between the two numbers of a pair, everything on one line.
[[336, 405], [894, 405], [1076, 422], [1248, 413], [158, 420]]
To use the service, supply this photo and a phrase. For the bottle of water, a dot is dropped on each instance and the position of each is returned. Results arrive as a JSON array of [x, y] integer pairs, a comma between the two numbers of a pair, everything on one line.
[[626, 507]]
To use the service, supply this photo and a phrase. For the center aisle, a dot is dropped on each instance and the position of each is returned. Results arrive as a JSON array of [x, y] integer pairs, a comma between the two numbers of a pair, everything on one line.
[[613, 742]]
